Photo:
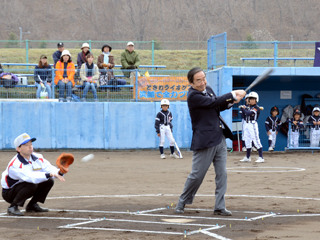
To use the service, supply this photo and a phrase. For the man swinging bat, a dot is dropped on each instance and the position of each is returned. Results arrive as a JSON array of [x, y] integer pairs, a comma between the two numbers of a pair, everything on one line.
[[208, 139], [29, 175]]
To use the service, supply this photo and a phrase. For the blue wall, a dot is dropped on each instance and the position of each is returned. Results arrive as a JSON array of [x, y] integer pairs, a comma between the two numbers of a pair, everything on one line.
[[298, 80], [90, 125]]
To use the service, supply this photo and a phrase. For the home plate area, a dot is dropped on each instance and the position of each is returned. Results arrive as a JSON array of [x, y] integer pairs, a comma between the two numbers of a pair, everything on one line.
[[154, 221]]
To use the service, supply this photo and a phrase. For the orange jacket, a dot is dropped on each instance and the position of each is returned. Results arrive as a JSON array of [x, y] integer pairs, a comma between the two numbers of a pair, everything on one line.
[[60, 69]]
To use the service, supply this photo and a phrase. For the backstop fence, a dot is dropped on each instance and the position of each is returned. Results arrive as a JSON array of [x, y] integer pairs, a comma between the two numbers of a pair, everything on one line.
[[220, 51]]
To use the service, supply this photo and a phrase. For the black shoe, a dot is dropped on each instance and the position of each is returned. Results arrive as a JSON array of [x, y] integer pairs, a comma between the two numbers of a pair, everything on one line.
[[222, 212], [179, 210], [14, 211], [36, 208]]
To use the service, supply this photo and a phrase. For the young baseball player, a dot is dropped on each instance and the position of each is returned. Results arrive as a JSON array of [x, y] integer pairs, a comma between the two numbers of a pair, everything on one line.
[[164, 126], [296, 124], [314, 120], [251, 131], [243, 116], [272, 124]]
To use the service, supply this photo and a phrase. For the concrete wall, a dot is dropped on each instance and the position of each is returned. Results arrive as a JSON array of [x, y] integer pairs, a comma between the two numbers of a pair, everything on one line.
[[90, 125]]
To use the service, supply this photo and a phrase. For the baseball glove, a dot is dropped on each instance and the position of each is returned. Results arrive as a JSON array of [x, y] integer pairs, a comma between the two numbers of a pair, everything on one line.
[[64, 161]]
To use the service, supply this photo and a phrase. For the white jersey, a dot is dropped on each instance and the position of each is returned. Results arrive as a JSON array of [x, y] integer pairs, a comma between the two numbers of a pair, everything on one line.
[[35, 170]]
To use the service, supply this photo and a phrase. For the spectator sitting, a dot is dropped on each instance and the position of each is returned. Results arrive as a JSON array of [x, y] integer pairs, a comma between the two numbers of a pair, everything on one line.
[[43, 76], [130, 60], [106, 63], [65, 71], [89, 74], [57, 54], [82, 55]]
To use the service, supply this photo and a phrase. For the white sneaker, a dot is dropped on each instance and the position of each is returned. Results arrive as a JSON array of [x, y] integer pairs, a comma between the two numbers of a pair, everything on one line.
[[244, 149], [245, 159], [270, 149], [174, 155], [260, 160], [253, 149], [162, 156]]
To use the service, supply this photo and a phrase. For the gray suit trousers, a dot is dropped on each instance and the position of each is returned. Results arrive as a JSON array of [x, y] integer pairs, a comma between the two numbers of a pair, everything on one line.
[[201, 162]]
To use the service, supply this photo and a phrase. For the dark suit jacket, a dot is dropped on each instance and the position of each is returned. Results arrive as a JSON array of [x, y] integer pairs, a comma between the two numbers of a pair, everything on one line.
[[205, 117]]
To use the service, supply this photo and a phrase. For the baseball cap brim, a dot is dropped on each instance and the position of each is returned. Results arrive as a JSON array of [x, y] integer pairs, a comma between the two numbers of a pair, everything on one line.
[[28, 140]]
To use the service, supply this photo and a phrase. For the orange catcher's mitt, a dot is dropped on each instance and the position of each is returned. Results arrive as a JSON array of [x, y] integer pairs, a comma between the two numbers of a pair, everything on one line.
[[64, 161]]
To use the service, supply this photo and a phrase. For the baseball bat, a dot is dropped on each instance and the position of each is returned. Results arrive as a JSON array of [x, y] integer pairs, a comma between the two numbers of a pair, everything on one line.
[[179, 153], [263, 76], [242, 106]]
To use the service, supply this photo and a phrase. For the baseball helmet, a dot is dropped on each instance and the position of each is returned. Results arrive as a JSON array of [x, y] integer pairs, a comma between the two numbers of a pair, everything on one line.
[[316, 109], [297, 111], [275, 108], [165, 102], [254, 95]]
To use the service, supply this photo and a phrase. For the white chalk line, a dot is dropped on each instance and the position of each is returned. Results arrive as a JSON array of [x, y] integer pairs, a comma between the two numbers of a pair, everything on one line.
[[300, 215], [263, 216], [177, 195], [152, 215], [211, 210], [199, 231], [215, 235], [152, 210], [145, 222], [122, 230], [87, 222], [290, 169], [39, 217]]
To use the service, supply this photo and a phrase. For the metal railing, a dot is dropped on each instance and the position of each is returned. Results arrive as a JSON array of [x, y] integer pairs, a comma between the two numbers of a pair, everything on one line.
[[144, 85], [153, 45], [259, 53], [306, 138]]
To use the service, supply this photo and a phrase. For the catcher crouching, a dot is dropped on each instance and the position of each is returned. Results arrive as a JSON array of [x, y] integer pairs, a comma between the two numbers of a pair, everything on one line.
[[29, 175]]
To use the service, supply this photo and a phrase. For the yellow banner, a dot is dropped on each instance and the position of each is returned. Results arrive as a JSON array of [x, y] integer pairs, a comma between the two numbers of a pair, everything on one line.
[[157, 88]]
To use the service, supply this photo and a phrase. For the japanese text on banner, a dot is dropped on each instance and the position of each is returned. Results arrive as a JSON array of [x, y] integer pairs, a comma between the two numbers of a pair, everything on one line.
[[157, 88]]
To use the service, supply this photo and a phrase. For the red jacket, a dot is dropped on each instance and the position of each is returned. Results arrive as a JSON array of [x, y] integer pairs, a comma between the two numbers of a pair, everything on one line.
[[60, 69]]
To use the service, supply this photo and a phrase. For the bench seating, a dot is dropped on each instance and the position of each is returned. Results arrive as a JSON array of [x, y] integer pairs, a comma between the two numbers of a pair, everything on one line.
[[279, 58]]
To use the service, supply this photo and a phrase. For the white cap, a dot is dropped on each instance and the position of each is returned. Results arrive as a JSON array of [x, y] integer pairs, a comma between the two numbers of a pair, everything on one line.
[[316, 109], [23, 139], [85, 45], [65, 52], [130, 43]]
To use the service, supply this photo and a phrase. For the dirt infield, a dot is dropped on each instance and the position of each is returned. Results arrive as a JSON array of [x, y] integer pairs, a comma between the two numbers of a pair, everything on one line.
[[127, 194]]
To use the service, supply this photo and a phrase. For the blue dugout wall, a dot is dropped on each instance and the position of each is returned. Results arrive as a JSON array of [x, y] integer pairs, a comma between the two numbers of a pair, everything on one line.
[[294, 81], [90, 125]]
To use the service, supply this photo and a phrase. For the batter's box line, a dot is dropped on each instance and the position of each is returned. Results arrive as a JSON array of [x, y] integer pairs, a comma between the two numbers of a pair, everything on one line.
[[171, 216], [210, 210], [204, 231], [153, 215], [144, 222]]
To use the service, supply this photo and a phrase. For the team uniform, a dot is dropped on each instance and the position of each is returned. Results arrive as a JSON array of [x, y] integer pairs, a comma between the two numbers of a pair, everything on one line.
[[272, 125], [244, 149], [315, 129], [251, 131], [243, 117], [34, 170], [27, 178], [293, 141], [250, 128], [164, 126]]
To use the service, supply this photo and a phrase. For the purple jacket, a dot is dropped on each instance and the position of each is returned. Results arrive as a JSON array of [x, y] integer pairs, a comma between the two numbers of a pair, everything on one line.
[[13, 77]]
